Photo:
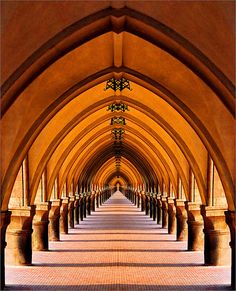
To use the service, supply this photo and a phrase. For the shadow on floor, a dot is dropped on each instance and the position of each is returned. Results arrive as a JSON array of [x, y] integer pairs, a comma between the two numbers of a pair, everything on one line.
[[115, 233], [118, 287], [116, 250], [116, 264], [128, 240]]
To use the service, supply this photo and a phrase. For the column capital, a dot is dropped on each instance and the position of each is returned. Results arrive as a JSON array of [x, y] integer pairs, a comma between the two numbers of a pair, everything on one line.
[[179, 202], [55, 202], [72, 198], [24, 211], [211, 211], [43, 206], [65, 200], [164, 198], [170, 200]]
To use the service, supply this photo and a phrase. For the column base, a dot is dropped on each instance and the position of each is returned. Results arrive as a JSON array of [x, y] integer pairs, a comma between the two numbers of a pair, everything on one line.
[[40, 227], [64, 215], [19, 240], [54, 218], [4, 222], [171, 216], [195, 227], [231, 221], [217, 236], [181, 215], [164, 212]]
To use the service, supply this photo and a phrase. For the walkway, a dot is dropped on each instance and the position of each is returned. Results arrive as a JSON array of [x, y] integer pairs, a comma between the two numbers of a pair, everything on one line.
[[118, 248]]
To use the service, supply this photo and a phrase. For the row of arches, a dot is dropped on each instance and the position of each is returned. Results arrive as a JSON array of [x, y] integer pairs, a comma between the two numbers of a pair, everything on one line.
[[57, 136]]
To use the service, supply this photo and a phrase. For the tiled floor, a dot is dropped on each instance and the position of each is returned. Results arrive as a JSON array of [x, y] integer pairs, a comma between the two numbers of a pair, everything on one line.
[[118, 248]]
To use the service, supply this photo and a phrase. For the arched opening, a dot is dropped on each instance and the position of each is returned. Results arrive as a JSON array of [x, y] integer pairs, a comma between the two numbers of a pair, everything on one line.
[[70, 137]]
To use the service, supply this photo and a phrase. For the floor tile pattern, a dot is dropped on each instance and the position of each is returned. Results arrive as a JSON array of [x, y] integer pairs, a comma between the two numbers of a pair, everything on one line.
[[118, 248]]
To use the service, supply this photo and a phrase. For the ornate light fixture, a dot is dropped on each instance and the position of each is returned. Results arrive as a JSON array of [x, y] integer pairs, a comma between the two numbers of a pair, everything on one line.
[[118, 120], [118, 107], [117, 84], [118, 133]]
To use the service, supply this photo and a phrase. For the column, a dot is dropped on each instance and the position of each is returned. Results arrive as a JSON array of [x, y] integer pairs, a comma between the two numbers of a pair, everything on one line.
[[159, 209], [4, 222], [64, 215], [97, 199], [138, 201], [88, 200], [93, 201], [154, 208], [147, 203], [231, 221], [85, 205], [181, 215], [81, 209], [54, 218], [195, 227], [40, 227], [217, 236], [71, 211], [143, 199], [151, 205], [19, 240], [164, 211], [76, 209], [171, 216]]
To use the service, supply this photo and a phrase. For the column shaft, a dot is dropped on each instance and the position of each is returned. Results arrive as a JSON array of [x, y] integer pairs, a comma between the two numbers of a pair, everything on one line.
[[217, 236], [164, 212], [64, 215], [4, 222], [54, 218], [231, 221], [181, 215], [195, 227], [40, 227], [171, 216], [19, 236]]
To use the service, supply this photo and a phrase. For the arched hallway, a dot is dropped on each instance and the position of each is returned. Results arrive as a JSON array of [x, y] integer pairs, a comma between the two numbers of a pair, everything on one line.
[[118, 247], [137, 96]]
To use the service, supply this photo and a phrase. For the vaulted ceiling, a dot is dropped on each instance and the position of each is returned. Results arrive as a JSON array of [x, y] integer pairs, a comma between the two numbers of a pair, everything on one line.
[[179, 59]]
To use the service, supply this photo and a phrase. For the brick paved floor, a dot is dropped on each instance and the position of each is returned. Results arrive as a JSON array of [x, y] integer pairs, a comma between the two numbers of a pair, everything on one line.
[[118, 248]]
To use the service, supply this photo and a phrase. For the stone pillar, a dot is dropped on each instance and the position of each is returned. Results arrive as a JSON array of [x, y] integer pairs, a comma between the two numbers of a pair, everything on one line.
[[138, 201], [19, 240], [97, 199], [40, 227], [217, 236], [143, 199], [164, 212], [88, 201], [81, 209], [147, 203], [93, 201], [85, 205], [171, 216], [71, 211], [195, 227], [154, 208], [64, 215], [159, 209], [76, 209], [181, 215], [54, 218], [151, 205], [4, 221], [231, 221]]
